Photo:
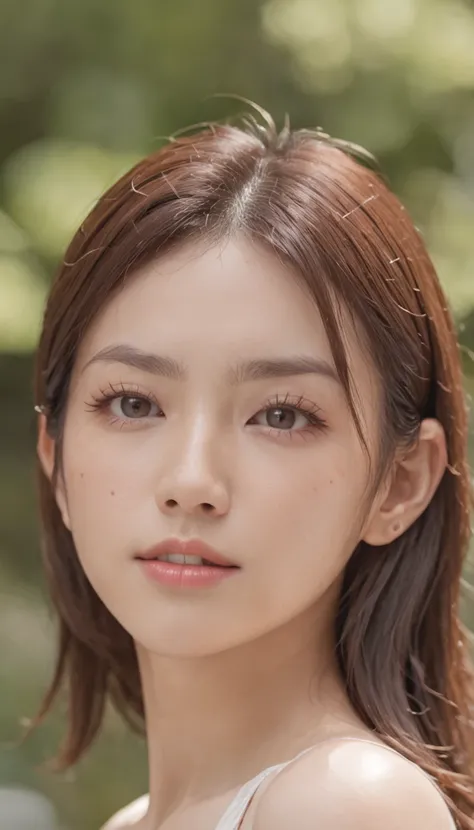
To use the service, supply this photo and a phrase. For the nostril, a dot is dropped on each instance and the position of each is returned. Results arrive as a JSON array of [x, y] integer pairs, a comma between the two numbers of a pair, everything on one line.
[[206, 506]]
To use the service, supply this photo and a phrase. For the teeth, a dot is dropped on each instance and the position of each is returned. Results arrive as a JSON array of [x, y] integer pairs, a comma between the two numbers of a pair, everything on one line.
[[180, 559]]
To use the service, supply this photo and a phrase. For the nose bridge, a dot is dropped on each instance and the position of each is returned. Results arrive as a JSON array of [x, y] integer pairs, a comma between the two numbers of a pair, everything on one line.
[[194, 476], [196, 446]]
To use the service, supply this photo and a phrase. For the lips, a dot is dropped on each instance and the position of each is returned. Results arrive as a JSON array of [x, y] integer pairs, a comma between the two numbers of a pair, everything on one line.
[[187, 547]]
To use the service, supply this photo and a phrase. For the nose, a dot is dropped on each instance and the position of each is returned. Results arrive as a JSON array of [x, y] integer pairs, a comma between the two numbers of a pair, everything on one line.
[[193, 482]]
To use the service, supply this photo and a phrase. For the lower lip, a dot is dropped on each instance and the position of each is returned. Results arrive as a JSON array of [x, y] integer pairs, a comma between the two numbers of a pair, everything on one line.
[[185, 576]]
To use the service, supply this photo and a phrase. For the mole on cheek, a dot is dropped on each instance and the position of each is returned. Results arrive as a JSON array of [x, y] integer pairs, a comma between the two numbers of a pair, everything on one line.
[[82, 475], [112, 492]]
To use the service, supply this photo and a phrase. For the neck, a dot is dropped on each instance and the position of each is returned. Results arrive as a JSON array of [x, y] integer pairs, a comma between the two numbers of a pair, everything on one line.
[[213, 722]]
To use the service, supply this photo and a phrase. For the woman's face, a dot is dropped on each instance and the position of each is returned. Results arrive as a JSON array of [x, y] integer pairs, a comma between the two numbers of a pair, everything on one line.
[[266, 467]]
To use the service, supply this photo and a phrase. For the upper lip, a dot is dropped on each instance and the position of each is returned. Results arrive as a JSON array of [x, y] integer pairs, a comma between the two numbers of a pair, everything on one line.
[[187, 547]]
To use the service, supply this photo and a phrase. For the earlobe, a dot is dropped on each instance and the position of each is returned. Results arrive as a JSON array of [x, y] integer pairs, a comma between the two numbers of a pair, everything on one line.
[[46, 449], [385, 526], [414, 479]]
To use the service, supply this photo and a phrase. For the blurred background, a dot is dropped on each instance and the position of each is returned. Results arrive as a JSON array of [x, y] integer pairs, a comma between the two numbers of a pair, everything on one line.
[[86, 88]]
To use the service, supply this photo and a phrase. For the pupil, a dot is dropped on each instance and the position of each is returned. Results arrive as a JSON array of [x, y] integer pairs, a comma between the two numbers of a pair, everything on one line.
[[279, 419], [133, 406]]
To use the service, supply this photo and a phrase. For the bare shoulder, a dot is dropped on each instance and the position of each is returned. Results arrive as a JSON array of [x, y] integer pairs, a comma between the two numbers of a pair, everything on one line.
[[128, 817], [352, 785]]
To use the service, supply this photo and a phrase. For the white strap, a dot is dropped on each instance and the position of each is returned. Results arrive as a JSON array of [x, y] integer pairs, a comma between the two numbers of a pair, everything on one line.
[[233, 816]]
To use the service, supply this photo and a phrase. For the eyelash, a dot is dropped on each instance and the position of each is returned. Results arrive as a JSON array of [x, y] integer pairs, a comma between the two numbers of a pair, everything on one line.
[[301, 406], [298, 405]]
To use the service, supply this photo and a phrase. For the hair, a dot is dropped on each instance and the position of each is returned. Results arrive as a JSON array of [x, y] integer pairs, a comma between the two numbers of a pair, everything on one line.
[[318, 205]]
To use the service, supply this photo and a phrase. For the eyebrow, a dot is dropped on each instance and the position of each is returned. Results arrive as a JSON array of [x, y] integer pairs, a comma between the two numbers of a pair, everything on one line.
[[248, 370]]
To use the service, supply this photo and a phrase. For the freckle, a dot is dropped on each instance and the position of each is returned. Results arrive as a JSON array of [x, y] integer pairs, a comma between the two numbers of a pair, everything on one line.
[[112, 492], [82, 475]]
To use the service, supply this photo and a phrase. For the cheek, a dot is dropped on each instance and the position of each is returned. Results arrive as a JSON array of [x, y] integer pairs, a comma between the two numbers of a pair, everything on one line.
[[105, 492], [313, 490], [100, 464], [306, 516]]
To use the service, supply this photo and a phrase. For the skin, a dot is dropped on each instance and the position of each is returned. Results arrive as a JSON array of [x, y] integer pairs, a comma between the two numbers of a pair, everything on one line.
[[242, 675]]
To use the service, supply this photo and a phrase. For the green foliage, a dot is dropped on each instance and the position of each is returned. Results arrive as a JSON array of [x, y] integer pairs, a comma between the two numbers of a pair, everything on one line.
[[86, 88]]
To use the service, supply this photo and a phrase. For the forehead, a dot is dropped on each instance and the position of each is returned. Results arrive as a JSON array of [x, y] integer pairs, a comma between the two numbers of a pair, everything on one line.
[[236, 293]]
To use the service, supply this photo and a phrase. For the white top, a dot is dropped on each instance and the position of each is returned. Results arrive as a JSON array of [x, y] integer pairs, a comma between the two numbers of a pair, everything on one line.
[[235, 812]]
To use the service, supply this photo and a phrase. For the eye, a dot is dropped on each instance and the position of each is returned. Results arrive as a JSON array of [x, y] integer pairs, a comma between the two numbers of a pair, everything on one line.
[[282, 417], [133, 407], [299, 416], [122, 404]]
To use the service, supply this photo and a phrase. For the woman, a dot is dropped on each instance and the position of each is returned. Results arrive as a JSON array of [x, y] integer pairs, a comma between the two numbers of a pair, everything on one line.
[[255, 492]]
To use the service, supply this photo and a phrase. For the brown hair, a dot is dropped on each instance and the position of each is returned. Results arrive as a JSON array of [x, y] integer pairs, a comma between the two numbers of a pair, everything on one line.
[[401, 647]]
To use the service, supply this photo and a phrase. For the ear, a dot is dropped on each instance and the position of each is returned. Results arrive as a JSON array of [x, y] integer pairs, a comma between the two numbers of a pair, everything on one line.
[[46, 448], [409, 487]]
